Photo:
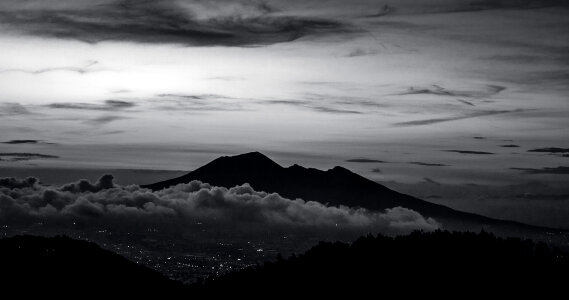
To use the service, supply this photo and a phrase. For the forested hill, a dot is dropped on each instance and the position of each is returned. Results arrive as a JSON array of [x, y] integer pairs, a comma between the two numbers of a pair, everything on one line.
[[421, 264]]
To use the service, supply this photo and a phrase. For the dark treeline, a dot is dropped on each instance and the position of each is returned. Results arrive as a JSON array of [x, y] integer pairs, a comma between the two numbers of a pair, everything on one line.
[[440, 263]]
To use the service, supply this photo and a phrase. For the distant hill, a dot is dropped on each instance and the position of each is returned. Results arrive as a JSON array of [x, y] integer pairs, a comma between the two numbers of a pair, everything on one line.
[[337, 186], [430, 265], [65, 268]]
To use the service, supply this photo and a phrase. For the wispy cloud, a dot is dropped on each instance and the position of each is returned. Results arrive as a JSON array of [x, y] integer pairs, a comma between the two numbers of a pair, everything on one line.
[[20, 142], [327, 103], [555, 170], [196, 103], [427, 164], [551, 150], [79, 70], [99, 121], [110, 105], [476, 114], [437, 90], [13, 157], [13, 109], [365, 160], [470, 152]]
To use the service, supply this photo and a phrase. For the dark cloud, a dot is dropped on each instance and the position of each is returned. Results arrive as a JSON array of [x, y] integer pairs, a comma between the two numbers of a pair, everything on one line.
[[465, 102], [431, 181], [169, 21], [30, 142], [17, 142], [376, 170], [479, 138], [362, 52], [504, 4], [196, 103], [334, 107], [470, 152], [24, 156], [82, 186], [24, 201], [335, 110], [551, 150], [556, 170], [476, 114], [427, 164], [381, 12], [510, 146], [15, 183], [99, 121], [13, 109], [437, 90], [365, 160], [110, 105]]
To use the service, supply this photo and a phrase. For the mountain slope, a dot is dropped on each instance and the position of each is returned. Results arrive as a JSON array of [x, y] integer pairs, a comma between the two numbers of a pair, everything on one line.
[[60, 266], [337, 186]]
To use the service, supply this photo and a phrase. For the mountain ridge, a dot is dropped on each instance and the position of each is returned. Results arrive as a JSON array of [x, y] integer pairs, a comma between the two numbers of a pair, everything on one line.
[[335, 186]]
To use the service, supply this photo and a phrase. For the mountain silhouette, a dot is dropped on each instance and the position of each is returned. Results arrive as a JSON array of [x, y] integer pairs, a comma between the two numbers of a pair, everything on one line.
[[64, 267], [441, 264], [337, 186]]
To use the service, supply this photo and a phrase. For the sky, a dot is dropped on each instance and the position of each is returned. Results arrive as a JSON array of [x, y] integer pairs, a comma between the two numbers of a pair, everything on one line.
[[448, 100]]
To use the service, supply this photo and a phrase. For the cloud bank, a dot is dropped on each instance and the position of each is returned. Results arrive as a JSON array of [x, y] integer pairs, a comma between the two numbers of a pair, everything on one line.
[[227, 23], [26, 201]]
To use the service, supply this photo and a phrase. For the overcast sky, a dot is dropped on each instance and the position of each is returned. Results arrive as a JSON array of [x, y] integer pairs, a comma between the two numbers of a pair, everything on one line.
[[454, 91]]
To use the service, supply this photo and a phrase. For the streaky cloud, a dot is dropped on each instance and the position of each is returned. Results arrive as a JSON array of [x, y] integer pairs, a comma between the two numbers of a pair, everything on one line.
[[110, 105], [427, 164], [551, 150], [457, 118], [102, 120], [17, 156], [365, 160], [470, 152], [553, 171]]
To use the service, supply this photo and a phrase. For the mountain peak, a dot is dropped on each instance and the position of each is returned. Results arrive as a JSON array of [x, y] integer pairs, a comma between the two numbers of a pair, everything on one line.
[[250, 163], [255, 155], [255, 160]]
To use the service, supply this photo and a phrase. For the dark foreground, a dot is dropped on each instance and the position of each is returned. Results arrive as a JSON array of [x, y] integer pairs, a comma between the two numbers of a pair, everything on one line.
[[439, 264]]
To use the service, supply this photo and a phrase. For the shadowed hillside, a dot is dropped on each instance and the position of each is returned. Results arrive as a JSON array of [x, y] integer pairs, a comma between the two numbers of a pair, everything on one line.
[[422, 264], [61, 266]]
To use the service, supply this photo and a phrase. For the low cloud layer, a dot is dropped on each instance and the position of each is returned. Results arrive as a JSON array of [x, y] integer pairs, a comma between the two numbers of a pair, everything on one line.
[[26, 201]]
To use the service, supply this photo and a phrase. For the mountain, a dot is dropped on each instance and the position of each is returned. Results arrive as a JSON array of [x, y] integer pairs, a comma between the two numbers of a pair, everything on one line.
[[337, 186], [64, 267]]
